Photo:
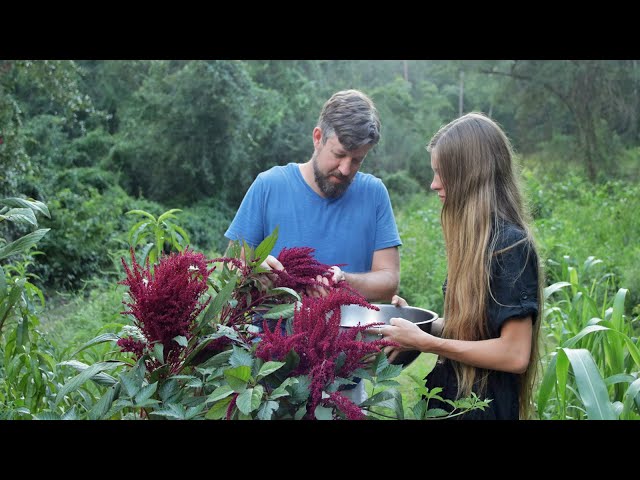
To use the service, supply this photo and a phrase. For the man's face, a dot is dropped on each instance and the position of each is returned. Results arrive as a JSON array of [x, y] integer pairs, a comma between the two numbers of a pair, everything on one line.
[[333, 166]]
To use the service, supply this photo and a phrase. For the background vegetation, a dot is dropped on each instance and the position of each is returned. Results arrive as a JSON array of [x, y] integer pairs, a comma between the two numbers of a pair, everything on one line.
[[93, 140]]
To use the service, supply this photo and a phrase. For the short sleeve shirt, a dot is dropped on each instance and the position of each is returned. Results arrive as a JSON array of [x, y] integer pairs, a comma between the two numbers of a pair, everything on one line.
[[344, 230]]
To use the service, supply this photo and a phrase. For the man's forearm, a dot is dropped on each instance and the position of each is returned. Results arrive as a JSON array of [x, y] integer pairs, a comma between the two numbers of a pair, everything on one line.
[[374, 286]]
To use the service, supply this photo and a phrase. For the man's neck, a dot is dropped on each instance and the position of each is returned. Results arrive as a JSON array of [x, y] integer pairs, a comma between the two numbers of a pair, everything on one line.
[[306, 169]]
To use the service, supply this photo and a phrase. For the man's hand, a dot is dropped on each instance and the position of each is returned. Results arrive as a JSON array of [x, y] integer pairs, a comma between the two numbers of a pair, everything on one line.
[[269, 279], [319, 290], [398, 301]]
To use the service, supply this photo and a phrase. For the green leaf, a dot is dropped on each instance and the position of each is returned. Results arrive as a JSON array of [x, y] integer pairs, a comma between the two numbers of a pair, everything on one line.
[[546, 386], [22, 332], [147, 252], [300, 390], [551, 289], [240, 357], [14, 296], [323, 413], [34, 205], [435, 413], [219, 409], [219, 393], [617, 316], [71, 414], [182, 233], [238, 377], [221, 299], [268, 368], [287, 290], [419, 410], [250, 399], [619, 378], [3, 285], [265, 247], [139, 232], [217, 360], [281, 391], [593, 391], [265, 412], [173, 410], [20, 215], [243, 402], [562, 374], [631, 396], [79, 379], [103, 405], [285, 310], [23, 243], [169, 391], [101, 378], [168, 214], [105, 337], [390, 398], [143, 213], [133, 380], [194, 383], [388, 372], [301, 412], [193, 412], [158, 351], [47, 416], [145, 393], [585, 331]]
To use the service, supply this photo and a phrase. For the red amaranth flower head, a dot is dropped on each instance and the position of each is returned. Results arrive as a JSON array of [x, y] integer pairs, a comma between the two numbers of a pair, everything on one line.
[[165, 302], [300, 268], [319, 342]]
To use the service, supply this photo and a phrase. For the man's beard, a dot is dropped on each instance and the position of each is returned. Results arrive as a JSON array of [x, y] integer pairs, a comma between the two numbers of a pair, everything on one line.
[[330, 190]]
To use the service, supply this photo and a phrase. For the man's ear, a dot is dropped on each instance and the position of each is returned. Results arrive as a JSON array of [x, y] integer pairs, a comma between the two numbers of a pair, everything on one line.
[[317, 137]]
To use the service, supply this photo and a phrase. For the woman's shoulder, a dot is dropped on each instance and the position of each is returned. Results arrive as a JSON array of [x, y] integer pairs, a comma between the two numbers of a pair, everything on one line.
[[509, 234]]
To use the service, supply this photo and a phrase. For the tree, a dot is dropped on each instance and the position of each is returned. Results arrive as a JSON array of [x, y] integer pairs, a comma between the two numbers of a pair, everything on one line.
[[589, 90]]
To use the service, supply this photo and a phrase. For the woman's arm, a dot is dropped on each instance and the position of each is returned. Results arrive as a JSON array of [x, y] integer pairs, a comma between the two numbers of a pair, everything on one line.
[[508, 353]]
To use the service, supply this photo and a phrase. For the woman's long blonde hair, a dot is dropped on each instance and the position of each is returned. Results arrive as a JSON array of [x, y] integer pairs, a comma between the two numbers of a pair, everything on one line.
[[475, 163]]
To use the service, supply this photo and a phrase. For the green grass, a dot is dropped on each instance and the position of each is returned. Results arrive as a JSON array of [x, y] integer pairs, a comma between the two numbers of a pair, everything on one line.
[[73, 320]]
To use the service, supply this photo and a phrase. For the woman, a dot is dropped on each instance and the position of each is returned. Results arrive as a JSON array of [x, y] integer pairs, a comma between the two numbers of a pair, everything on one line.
[[493, 289]]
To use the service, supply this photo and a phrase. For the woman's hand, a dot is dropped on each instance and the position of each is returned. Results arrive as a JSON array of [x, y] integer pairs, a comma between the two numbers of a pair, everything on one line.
[[406, 334]]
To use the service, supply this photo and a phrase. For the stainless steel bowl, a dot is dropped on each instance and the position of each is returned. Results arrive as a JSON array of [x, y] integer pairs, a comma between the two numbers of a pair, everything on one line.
[[352, 315]]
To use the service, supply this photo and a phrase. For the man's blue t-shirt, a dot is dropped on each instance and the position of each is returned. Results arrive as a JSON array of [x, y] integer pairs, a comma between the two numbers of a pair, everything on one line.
[[343, 230]]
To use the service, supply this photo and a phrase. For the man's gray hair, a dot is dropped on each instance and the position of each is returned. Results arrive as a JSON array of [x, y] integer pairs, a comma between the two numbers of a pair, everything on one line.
[[352, 117]]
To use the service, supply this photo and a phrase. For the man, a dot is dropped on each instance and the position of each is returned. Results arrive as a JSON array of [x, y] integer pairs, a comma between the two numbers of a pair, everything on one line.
[[327, 204]]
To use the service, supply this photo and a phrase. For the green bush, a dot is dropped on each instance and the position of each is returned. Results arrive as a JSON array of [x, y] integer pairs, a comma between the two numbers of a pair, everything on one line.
[[401, 186], [422, 254]]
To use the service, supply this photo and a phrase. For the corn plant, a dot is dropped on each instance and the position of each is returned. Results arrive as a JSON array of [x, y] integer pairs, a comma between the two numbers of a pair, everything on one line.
[[586, 329], [24, 367]]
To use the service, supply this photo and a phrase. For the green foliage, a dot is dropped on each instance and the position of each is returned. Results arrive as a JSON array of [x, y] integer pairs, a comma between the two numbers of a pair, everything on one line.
[[401, 187], [422, 257], [586, 329], [206, 222], [578, 219], [156, 235], [87, 222], [16, 291], [195, 123]]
